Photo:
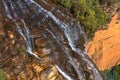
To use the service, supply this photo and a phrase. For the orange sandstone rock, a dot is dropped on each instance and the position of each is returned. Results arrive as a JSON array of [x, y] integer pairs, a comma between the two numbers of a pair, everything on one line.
[[104, 49]]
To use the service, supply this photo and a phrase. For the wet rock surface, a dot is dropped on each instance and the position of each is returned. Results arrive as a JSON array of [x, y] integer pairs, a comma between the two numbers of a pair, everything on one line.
[[104, 48], [17, 64], [41, 42]]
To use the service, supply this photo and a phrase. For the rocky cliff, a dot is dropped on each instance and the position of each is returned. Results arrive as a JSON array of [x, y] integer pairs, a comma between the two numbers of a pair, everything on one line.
[[104, 49], [42, 41]]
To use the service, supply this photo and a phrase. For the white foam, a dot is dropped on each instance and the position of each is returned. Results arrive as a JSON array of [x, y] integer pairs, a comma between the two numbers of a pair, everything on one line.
[[63, 73]]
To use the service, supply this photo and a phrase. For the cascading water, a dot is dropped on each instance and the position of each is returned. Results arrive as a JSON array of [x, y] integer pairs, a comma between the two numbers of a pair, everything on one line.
[[63, 33]]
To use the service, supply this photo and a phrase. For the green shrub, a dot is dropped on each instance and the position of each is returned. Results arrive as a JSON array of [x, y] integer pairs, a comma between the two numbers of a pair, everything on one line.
[[113, 74], [88, 12], [21, 49], [66, 3], [117, 72], [2, 75]]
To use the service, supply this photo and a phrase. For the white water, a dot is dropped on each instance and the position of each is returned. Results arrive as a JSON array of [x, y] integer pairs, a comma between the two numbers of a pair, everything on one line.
[[27, 39], [63, 73], [7, 10], [71, 35]]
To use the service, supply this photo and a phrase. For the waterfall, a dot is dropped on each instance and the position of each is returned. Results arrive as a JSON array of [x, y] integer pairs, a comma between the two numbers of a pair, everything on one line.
[[27, 39], [66, 38]]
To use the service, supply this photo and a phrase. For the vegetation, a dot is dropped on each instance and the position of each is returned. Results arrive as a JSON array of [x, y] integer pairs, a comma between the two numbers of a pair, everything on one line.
[[21, 49], [88, 12], [109, 2], [113, 74], [2, 75]]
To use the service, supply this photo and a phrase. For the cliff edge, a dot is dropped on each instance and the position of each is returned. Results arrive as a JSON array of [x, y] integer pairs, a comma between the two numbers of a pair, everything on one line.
[[104, 49]]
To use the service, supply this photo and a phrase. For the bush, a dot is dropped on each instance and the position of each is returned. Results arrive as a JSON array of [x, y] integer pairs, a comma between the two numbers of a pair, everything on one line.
[[2, 75], [88, 12], [113, 74], [65, 3]]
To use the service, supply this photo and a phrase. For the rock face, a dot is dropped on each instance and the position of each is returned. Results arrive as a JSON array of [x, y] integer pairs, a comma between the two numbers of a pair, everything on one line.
[[51, 36], [16, 63], [104, 49]]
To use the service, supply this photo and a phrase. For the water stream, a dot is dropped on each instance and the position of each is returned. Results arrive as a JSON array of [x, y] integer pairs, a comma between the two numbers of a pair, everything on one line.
[[63, 33]]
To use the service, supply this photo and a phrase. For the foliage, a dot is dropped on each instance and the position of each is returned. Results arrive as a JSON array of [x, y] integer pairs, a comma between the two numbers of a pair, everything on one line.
[[113, 74], [2, 75], [66, 3], [117, 72], [21, 49], [88, 12]]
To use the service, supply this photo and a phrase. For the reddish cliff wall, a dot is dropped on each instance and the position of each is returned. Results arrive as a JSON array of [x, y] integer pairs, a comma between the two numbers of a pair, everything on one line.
[[104, 49]]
